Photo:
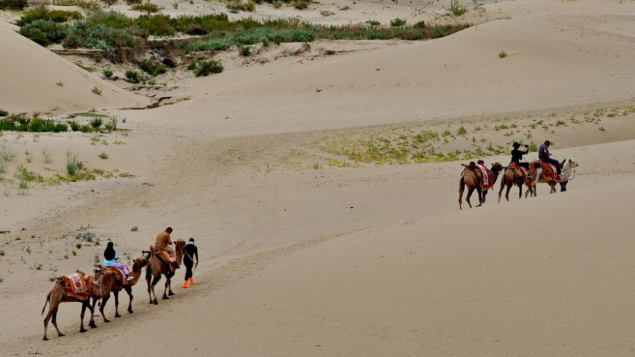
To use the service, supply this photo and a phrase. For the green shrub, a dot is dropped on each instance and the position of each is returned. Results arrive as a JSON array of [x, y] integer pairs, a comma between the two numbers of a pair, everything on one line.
[[42, 13], [502, 54], [148, 8], [397, 22], [458, 10], [73, 164], [420, 25], [107, 73], [248, 6], [3, 113], [96, 123], [74, 125], [245, 51], [44, 32], [373, 22], [205, 68], [300, 4], [96, 91], [13, 4], [151, 68], [133, 76]]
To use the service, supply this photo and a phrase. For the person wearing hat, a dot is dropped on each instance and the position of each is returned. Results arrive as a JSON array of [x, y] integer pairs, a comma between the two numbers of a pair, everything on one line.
[[545, 156], [517, 155], [190, 251]]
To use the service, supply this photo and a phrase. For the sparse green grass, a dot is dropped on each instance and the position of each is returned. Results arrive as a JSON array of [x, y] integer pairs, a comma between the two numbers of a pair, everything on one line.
[[108, 73], [103, 156], [397, 22], [502, 54], [239, 5], [134, 229], [458, 10], [147, 7], [205, 68], [96, 91], [73, 164]]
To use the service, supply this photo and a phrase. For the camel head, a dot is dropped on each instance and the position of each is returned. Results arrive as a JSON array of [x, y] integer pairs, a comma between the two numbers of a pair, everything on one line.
[[178, 248], [139, 263], [497, 167]]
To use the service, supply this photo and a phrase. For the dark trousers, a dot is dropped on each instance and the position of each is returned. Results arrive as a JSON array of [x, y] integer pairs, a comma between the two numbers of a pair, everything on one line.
[[188, 268], [554, 163], [522, 164]]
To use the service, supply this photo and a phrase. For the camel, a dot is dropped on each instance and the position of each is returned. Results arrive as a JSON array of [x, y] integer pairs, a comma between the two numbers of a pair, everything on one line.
[[568, 168], [473, 179], [512, 178], [117, 285], [156, 267], [101, 287]]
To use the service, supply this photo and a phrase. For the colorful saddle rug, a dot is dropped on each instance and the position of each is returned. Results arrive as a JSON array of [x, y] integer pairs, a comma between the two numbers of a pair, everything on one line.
[[118, 273], [488, 181], [549, 172], [522, 172], [79, 286]]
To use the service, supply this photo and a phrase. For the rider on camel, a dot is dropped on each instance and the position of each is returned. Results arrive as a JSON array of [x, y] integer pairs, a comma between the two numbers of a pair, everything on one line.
[[517, 155], [111, 260], [545, 156], [163, 243]]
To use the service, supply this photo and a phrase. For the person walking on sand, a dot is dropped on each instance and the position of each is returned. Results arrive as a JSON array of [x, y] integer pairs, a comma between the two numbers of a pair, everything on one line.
[[111, 257], [190, 251]]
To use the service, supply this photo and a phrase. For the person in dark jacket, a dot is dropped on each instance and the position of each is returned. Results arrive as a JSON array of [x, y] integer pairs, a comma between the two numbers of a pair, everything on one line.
[[545, 156], [517, 155], [190, 252]]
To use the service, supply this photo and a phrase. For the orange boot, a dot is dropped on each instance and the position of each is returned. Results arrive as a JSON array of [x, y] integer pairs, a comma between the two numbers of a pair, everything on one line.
[[185, 286], [191, 281]]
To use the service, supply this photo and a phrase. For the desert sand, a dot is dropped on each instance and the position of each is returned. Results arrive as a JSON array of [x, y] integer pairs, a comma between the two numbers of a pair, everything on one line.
[[306, 252]]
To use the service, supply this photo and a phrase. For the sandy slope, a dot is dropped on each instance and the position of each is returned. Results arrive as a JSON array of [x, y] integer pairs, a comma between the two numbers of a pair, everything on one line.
[[30, 74], [559, 55], [372, 261]]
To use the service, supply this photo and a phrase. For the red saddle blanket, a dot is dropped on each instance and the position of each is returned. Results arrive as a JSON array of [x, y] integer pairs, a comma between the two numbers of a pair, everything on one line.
[[488, 181], [79, 286], [549, 172], [523, 172], [119, 273]]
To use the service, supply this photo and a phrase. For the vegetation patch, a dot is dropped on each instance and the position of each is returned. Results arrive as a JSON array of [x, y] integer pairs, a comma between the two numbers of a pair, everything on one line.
[[36, 125]]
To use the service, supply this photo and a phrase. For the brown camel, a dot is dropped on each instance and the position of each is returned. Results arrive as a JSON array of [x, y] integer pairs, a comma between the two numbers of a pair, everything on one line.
[[101, 287], [473, 179], [117, 285], [156, 267], [512, 178]]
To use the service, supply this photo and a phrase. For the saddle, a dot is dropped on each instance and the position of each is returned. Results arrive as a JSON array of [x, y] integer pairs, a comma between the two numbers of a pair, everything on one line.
[[165, 257], [488, 182], [549, 172], [119, 275], [79, 286], [522, 172]]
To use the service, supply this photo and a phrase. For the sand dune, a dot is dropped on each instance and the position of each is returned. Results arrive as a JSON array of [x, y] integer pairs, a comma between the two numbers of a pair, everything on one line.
[[559, 55], [30, 75], [363, 261]]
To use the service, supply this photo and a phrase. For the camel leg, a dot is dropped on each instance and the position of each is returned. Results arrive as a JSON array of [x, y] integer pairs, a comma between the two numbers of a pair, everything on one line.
[[155, 281], [149, 288], [129, 291], [500, 192], [170, 293], [49, 314], [104, 300], [165, 291], [481, 199], [509, 187], [84, 306], [470, 190], [55, 323], [520, 191], [91, 323], [116, 293]]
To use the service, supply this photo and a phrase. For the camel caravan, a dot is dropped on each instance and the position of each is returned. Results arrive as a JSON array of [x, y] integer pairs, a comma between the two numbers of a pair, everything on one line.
[[113, 277], [477, 177]]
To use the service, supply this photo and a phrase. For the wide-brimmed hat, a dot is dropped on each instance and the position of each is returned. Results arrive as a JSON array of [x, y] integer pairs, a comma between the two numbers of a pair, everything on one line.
[[516, 144]]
